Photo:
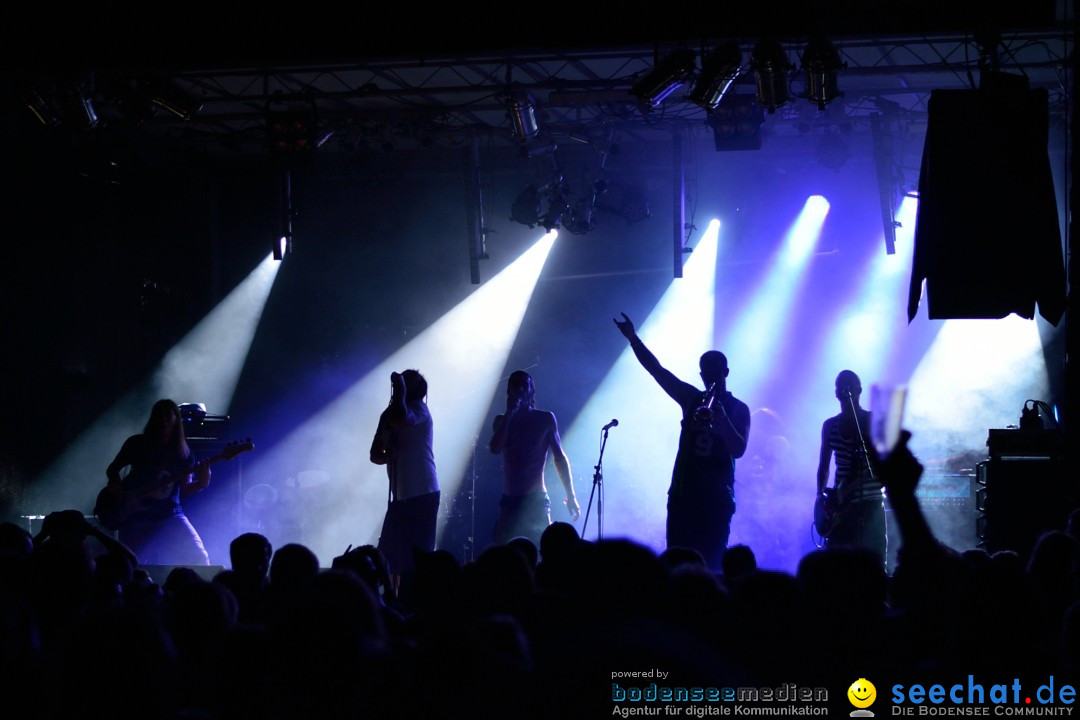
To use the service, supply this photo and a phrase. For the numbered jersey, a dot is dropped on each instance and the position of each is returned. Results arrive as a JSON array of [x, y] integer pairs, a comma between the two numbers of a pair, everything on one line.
[[704, 466]]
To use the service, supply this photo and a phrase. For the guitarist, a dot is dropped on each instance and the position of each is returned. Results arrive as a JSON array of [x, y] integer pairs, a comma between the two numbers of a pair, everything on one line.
[[149, 476], [857, 492]]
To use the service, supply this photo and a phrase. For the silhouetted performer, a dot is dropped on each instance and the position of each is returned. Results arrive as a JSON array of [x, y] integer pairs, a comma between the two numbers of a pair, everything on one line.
[[525, 436], [715, 428], [403, 444], [152, 472], [859, 499]]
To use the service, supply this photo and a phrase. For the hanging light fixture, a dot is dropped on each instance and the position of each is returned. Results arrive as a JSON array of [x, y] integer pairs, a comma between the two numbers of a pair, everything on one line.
[[526, 208], [41, 105], [556, 210], [666, 77], [821, 64], [736, 123], [291, 133], [283, 244], [718, 71], [78, 104], [171, 97], [771, 67], [521, 110]]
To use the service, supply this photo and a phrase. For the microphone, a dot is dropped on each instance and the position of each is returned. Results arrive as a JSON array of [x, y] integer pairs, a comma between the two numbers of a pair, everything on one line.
[[613, 423]]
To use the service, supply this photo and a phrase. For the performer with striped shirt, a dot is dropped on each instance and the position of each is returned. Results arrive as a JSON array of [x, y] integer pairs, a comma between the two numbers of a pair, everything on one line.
[[859, 496]]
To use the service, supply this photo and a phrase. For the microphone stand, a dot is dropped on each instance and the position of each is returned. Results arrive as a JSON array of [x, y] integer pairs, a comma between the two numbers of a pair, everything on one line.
[[865, 453], [862, 439], [598, 482]]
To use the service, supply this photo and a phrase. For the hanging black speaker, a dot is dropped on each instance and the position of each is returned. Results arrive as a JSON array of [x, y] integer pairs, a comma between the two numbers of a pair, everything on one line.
[[987, 238]]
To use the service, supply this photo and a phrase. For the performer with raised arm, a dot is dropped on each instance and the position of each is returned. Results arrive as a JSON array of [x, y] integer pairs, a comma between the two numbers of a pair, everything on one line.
[[715, 428], [525, 436]]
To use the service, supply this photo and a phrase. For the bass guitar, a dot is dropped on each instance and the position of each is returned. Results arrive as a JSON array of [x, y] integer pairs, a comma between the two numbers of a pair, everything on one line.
[[114, 507]]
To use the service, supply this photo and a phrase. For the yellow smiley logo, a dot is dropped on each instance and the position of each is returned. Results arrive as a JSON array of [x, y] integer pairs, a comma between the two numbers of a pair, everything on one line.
[[862, 693]]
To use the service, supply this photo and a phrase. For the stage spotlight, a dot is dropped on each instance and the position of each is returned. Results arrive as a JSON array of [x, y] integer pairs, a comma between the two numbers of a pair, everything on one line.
[[78, 106], [283, 244], [771, 67], [526, 208], [169, 96], [665, 78], [291, 133], [323, 136], [718, 72], [42, 107], [581, 217], [821, 63], [558, 208], [736, 123], [522, 113]]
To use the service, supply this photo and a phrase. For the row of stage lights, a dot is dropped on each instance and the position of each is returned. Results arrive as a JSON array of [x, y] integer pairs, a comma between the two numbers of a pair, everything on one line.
[[720, 68], [70, 100], [73, 98], [735, 119]]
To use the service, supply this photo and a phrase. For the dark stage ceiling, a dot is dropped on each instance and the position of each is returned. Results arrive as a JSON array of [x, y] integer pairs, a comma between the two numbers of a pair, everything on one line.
[[382, 77]]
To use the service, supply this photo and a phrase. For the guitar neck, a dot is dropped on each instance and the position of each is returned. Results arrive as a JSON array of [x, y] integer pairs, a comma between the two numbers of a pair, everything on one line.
[[229, 453], [114, 510], [176, 477]]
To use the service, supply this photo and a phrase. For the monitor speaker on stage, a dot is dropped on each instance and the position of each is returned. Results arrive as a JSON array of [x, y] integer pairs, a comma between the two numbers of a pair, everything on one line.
[[1024, 498], [987, 237]]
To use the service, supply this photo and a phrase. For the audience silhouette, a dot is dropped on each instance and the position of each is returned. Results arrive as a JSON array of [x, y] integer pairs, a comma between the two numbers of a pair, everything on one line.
[[522, 631]]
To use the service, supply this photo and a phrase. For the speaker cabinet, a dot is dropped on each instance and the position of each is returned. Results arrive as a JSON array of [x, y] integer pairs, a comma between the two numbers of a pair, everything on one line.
[[987, 239], [1023, 498]]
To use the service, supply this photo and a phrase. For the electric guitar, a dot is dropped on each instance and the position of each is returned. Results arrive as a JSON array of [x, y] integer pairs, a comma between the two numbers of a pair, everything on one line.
[[826, 513], [115, 507]]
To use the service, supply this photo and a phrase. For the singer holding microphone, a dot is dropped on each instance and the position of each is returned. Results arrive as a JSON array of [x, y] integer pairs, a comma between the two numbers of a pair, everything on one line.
[[858, 494], [715, 428], [403, 443], [524, 436]]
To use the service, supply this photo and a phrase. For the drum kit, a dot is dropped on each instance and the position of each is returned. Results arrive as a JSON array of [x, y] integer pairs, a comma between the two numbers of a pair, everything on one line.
[[286, 508]]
